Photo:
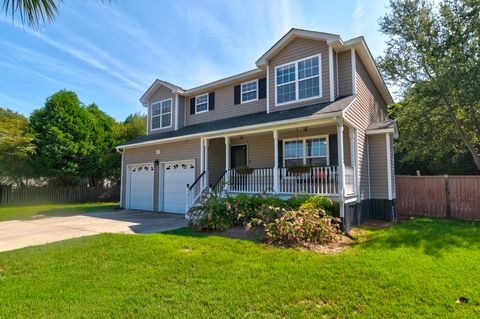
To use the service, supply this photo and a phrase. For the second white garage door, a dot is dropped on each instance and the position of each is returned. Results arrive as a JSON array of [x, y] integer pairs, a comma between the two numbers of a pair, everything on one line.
[[176, 176]]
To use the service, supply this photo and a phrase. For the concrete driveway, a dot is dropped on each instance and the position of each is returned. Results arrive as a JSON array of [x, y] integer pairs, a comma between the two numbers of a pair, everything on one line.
[[22, 233]]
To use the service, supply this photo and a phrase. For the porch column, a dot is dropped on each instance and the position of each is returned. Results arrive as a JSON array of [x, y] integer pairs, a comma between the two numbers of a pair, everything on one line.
[[276, 185], [206, 163], [227, 162], [202, 157], [341, 163], [353, 158]]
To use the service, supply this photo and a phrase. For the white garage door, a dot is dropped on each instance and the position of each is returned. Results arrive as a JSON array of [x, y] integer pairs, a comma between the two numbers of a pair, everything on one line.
[[140, 194], [176, 176]]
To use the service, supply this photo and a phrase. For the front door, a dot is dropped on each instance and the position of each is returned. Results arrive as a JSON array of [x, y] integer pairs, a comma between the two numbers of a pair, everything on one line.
[[238, 156]]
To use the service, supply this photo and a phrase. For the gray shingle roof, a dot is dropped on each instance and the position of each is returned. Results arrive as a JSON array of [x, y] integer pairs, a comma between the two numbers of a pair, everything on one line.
[[382, 125], [251, 119]]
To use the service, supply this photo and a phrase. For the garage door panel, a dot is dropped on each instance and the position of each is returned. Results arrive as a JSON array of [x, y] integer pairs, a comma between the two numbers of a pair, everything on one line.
[[141, 187], [176, 176]]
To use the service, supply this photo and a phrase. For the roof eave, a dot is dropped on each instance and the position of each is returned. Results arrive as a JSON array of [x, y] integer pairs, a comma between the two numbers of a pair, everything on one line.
[[157, 83], [292, 34]]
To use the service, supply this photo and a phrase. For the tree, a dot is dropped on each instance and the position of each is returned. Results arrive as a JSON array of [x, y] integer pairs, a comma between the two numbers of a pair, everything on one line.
[[63, 138], [434, 54], [135, 125], [33, 12], [429, 144], [15, 147], [102, 160]]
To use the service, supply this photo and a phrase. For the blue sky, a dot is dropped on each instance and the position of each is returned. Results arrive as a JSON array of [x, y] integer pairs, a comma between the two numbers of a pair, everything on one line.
[[110, 53]]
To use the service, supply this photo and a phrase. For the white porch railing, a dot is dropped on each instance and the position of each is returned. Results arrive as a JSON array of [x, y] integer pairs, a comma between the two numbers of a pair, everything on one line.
[[316, 180], [195, 190], [349, 180], [253, 180]]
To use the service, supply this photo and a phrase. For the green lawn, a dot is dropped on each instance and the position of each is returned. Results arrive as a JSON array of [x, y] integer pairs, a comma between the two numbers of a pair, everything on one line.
[[25, 212], [416, 269]]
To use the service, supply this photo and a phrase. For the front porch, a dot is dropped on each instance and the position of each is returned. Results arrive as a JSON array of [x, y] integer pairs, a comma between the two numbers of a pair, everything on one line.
[[307, 159]]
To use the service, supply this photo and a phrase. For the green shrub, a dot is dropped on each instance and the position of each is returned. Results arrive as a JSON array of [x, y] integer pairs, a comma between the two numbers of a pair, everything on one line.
[[303, 226], [323, 202], [211, 213], [296, 201]]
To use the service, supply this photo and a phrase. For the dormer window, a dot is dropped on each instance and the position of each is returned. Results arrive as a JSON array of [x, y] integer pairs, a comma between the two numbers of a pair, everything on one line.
[[201, 103], [249, 91], [298, 80], [161, 114]]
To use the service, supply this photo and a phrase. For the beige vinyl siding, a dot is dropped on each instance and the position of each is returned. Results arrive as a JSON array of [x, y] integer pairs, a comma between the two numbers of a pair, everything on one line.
[[182, 150], [259, 148], [378, 166], [347, 152], [224, 104], [161, 94], [367, 108], [392, 155], [345, 73], [335, 75], [181, 111], [297, 49], [216, 159]]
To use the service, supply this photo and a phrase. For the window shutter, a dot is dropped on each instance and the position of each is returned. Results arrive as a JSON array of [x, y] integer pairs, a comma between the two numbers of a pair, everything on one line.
[[280, 153], [236, 94], [262, 88], [192, 105], [211, 101], [333, 149]]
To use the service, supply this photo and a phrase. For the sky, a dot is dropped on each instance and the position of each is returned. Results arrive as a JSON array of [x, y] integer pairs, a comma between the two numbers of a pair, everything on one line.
[[110, 53]]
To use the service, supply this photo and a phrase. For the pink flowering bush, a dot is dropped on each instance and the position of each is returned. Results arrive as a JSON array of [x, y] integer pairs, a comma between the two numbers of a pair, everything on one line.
[[303, 226]]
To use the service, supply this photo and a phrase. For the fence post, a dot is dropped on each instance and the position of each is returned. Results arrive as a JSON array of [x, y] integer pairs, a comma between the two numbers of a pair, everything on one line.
[[447, 198]]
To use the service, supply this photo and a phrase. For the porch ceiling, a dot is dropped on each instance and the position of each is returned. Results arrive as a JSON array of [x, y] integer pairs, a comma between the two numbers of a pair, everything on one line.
[[249, 120]]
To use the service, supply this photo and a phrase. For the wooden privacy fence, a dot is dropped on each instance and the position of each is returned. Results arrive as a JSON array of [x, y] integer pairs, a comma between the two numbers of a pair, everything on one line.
[[27, 195], [438, 196]]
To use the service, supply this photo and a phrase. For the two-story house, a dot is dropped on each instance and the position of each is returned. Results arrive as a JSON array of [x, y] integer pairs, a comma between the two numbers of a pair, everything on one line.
[[310, 118]]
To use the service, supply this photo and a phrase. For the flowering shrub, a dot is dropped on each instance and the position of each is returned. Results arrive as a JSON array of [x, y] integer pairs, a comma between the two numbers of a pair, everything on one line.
[[300, 220], [211, 213], [302, 226]]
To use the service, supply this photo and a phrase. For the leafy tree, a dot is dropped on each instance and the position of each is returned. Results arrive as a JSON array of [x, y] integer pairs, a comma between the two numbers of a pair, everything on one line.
[[102, 161], [433, 54], [429, 144], [135, 125], [15, 147], [63, 138]]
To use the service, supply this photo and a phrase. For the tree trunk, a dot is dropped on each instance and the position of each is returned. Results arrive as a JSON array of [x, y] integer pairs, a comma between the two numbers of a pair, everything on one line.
[[466, 140]]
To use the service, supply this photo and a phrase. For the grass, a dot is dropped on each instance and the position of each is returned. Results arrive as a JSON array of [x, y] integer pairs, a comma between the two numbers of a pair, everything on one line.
[[416, 269], [27, 212]]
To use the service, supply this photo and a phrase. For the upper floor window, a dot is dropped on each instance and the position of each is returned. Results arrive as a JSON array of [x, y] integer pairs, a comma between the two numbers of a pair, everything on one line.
[[162, 114], [298, 80], [201, 103], [249, 91]]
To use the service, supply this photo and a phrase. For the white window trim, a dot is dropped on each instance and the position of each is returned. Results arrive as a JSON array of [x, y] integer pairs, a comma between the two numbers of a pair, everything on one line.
[[241, 92], [320, 95], [160, 115], [208, 103], [304, 139]]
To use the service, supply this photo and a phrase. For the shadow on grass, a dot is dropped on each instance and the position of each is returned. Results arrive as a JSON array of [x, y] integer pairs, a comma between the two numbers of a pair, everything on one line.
[[432, 236], [254, 234]]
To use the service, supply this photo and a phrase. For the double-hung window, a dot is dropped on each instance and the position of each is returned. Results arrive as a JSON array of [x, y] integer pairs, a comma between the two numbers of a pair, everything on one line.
[[298, 80], [201, 103], [293, 153], [308, 151], [162, 114], [249, 91]]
